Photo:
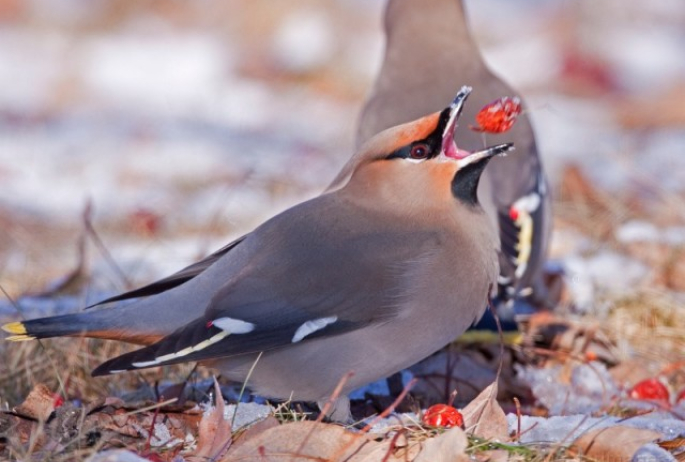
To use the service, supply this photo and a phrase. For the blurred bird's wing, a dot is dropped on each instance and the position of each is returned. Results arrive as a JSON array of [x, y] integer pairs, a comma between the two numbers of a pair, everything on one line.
[[523, 231], [299, 283], [176, 279]]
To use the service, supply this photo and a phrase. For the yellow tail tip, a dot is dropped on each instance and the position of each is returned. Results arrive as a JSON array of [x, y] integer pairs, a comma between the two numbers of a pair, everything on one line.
[[19, 338], [16, 328]]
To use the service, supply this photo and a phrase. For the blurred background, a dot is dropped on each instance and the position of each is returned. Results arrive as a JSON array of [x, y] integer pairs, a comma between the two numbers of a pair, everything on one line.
[[161, 129]]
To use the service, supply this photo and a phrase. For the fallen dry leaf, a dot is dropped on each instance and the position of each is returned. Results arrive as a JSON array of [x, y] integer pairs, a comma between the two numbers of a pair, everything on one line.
[[392, 449], [448, 447], [485, 418], [496, 455], [39, 404], [17, 431], [301, 441], [253, 430], [214, 437], [613, 443], [130, 426], [670, 445], [563, 339]]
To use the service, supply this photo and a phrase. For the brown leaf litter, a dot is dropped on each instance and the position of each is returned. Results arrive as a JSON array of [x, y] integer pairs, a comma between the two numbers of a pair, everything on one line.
[[485, 418], [214, 437], [613, 443]]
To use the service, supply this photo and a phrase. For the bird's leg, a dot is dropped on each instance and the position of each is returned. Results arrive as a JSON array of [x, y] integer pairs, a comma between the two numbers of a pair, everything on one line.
[[338, 410]]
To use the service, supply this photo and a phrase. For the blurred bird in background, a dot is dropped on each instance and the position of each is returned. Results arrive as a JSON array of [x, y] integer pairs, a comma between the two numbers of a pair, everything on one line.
[[429, 51]]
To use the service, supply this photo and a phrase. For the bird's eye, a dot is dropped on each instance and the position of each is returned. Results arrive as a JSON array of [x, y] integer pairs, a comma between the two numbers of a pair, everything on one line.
[[420, 151]]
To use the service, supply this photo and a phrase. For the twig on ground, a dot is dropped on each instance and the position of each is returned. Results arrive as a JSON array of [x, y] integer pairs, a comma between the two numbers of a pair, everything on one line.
[[334, 396], [390, 408], [517, 403], [242, 389]]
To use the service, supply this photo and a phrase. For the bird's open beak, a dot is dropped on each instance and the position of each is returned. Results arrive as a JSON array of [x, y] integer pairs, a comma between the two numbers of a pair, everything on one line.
[[449, 147], [492, 151]]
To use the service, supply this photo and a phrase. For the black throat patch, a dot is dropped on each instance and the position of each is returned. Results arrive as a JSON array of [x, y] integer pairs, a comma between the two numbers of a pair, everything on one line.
[[465, 182]]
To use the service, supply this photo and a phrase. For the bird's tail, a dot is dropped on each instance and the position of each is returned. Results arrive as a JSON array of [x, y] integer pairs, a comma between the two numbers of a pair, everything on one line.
[[106, 324], [57, 326], [31, 330]]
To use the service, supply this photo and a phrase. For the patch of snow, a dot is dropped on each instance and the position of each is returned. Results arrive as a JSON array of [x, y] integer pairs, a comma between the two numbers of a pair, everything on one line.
[[674, 235], [574, 131], [579, 282], [569, 427], [304, 41], [643, 231], [614, 271], [637, 231], [527, 62], [32, 66], [243, 103], [162, 437], [393, 422], [658, 157], [590, 388], [566, 241], [605, 271], [169, 73], [652, 452], [35, 307], [247, 413], [117, 455], [647, 55]]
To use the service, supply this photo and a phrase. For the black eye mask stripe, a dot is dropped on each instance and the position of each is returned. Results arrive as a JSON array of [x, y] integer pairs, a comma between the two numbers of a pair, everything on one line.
[[432, 141]]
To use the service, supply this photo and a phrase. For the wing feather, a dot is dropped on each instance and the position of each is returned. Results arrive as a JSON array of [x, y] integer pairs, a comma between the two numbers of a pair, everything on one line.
[[176, 279]]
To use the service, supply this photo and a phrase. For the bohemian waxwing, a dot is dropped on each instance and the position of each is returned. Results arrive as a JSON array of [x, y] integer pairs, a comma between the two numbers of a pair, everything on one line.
[[429, 50], [371, 277]]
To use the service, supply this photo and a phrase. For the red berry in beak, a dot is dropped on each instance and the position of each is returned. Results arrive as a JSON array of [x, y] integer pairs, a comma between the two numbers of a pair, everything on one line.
[[498, 116]]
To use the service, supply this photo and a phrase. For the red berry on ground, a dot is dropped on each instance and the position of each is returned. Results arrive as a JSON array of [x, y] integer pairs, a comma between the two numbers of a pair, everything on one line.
[[498, 116], [57, 400], [650, 389], [442, 415]]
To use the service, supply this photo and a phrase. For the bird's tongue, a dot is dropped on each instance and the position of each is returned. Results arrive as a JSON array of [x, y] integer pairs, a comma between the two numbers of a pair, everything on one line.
[[452, 151]]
